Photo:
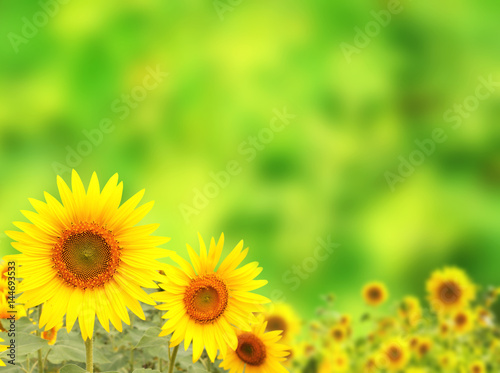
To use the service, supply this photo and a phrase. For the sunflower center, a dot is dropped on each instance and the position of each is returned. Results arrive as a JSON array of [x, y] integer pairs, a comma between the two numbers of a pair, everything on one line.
[[394, 354], [276, 323], [251, 350], [450, 292], [375, 293], [206, 299], [86, 255], [461, 319], [338, 335]]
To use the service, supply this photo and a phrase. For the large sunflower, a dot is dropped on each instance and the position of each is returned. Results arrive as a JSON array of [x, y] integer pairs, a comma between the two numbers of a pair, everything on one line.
[[86, 257], [256, 351], [204, 304], [450, 290]]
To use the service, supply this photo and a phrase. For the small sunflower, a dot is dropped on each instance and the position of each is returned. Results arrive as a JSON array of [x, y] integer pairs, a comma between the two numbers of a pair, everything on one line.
[[51, 334], [394, 355], [477, 367], [410, 311], [281, 316], [375, 293], [256, 351], [204, 304], [336, 361], [485, 317], [463, 321], [450, 290], [424, 347], [85, 257], [444, 329], [339, 333], [447, 360]]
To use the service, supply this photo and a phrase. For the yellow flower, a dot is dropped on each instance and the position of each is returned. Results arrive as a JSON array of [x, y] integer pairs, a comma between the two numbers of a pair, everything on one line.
[[477, 367], [444, 329], [2, 348], [256, 351], [463, 321], [204, 304], [410, 311], [424, 346], [51, 334], [484, 317], [450, 290], [339, 333], [281, 316], [335, 361], [85, 257], [375, 293], [394, 355], [447, 360]]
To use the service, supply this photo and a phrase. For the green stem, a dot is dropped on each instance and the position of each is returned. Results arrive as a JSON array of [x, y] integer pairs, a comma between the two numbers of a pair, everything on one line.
[[131, 360], [161, 364], [46, 356], [38, 333], [89, 345], [171, 363]]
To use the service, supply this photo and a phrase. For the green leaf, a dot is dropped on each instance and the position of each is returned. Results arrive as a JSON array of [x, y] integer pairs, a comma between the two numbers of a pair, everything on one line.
[[70, 347], [28, 344], [71, 368], [150, 338], [146, 371]]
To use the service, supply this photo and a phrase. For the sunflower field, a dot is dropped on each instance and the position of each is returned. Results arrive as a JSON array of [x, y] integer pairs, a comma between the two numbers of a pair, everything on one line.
[[87, 260]]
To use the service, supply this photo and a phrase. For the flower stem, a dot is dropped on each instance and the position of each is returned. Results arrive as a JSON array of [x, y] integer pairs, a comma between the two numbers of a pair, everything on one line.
[[89, 345], [38, 333], [171, 362]]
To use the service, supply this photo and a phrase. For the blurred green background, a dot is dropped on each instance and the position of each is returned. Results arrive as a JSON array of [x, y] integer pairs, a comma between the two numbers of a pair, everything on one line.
[[322, 176]]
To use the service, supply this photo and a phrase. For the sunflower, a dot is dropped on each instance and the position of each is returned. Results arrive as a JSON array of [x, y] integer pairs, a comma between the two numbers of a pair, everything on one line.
[[477, 367], [394, 355], [339, 333], [85, 257], [2, 349], [375, 293], [336, 361], [485, 318], [444, 329], [204, 304], [410, 311], [51, 334], [447, 360], [424, 346], [463, 321], [256, 351], [281, 316], [450, 290]]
